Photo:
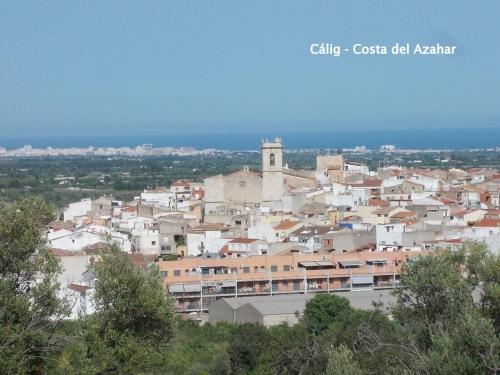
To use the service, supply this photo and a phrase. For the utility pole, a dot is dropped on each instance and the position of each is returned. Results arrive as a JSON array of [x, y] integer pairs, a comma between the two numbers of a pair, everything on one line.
[[201, 293], [394, 275], [305, 281], [328, 282], [350, 276], [236, 286], [270, 282]]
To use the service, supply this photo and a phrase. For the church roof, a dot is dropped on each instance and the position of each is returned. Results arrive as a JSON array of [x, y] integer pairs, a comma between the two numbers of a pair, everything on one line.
[[245, 172]]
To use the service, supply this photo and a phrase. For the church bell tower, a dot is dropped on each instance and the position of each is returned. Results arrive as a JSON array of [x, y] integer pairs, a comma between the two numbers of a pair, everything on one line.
[[272, 170]]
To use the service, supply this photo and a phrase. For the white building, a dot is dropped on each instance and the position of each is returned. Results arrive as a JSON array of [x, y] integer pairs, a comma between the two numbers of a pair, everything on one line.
[[208, 241], [77, 209], [353, 168], [263, 232], [160, 198], [146, 241], [85, 237], [396, 237], [244, 247]]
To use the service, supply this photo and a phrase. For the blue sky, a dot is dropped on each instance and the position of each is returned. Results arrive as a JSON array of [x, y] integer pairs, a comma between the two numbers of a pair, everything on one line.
[[159, 67]]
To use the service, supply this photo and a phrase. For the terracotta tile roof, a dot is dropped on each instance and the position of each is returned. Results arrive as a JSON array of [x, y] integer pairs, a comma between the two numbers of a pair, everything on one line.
[[403, 214], [180, 183], [57, 225], [209, 227], [446, 200], [65, 253], [378, 203], [78, 288], [368, 183], [286, 224], [141, 260], [223, 250], [488, 223]]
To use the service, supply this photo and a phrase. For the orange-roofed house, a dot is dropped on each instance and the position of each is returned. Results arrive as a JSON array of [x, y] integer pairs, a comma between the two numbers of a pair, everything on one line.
[[487, 231]]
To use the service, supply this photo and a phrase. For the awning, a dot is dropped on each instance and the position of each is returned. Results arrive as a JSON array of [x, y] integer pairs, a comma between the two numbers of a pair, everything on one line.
[[228, 284], [362, 280], [307, 264], [181, 288], [192, 287], [321, 263], [350, 263], [374, 261], [176, 288], [325, 263]]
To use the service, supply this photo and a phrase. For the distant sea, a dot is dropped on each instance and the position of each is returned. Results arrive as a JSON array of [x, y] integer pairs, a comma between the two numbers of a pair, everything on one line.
[[402, 139]]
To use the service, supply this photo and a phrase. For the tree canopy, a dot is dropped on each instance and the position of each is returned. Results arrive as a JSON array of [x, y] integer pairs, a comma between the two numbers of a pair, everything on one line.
[[30, 306]]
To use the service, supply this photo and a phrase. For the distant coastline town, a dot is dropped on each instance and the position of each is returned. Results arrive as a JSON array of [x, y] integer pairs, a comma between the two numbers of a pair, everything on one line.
[[150, 150], [142, 150]]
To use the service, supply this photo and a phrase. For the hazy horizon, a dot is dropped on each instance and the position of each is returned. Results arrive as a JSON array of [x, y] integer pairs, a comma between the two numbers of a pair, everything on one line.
[[373, 139]]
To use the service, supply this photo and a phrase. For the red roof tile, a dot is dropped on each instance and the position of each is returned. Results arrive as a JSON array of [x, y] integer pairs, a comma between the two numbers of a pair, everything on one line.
[[286, 224], [488, 223]]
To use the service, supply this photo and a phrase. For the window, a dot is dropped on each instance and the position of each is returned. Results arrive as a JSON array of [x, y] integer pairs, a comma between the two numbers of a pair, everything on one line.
[[275, 286], [234, 270], [272, 160], [286, 268], [256, 269], [177, 272], [153, 243], [246, 269], [277, 234], [296, 285], [164, 274], [274, 268]]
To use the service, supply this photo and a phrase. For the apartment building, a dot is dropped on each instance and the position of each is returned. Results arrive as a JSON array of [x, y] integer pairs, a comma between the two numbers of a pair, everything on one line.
[[196, 283]]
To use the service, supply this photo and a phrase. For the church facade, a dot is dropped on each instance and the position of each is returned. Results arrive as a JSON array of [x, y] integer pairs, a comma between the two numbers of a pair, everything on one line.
[[248, 189], [245, 188]]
